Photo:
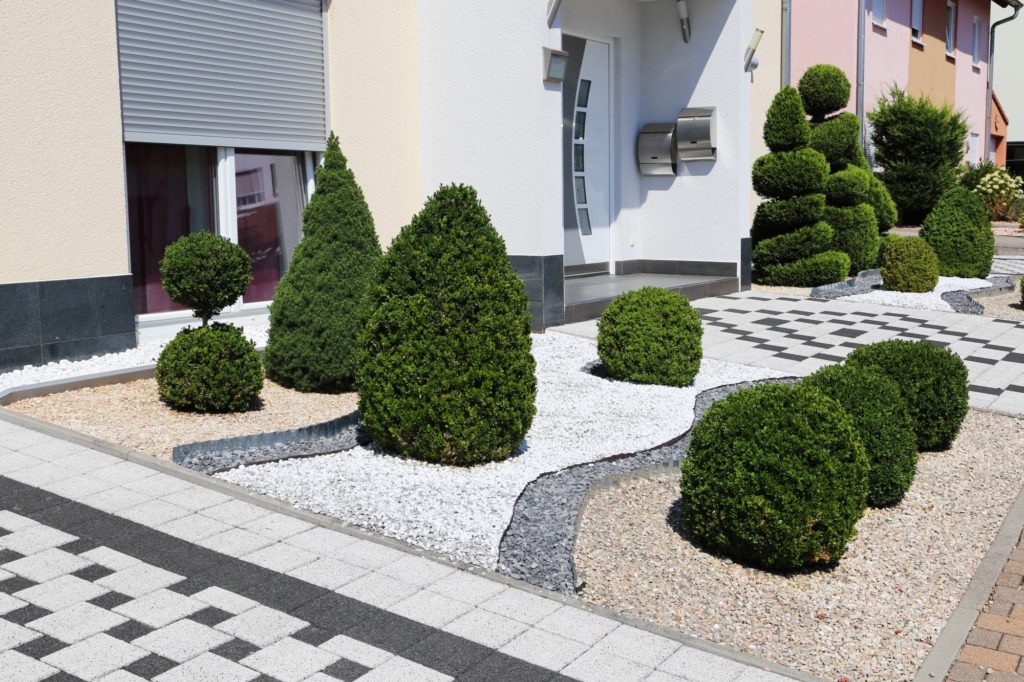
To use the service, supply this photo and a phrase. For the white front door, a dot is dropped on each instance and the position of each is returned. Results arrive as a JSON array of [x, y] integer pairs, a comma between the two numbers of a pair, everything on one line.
[[591, 154]]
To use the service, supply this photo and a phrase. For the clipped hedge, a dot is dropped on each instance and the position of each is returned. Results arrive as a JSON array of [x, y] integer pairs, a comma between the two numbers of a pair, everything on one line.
[[786, 126], [210, 369], [959, 231], [801, 243], [777, 216], [884, 243], [932, 380], [775, 477], [848, 187], [838, 138], [824, 88], [823, 268], [205, 272], [445, 372], [883, 424], [909, 265], [782, 175], [650, 336], [856, 234], [882, 203]]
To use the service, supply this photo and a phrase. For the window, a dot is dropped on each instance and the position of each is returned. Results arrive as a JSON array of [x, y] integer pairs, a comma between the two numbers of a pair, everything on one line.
[[878, 11], [950, 27], [975, 41], [973, 148], [917, 19]]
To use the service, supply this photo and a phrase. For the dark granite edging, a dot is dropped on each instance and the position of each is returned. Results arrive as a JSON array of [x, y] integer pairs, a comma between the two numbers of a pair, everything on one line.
[[962, 301]]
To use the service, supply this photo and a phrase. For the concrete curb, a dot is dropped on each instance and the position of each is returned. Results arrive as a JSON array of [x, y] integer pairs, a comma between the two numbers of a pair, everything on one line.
[[116, 376]]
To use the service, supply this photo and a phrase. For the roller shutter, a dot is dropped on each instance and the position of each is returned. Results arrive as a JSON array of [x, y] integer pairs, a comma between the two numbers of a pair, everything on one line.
[[230, 73]]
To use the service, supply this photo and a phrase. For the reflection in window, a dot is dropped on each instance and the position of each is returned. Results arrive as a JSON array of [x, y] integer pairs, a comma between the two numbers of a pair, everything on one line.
[[584, 216], [581, 190], [583, 94], [577, 158], [580, 129]]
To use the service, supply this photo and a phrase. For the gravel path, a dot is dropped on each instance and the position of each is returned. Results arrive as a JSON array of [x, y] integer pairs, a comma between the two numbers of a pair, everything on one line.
[[462, 512], [873, 617]]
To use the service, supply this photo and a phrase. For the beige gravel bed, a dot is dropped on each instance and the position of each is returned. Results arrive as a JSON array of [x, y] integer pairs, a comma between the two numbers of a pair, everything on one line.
[[873, 617], [800, 292], [1006, 305], [132, 415]]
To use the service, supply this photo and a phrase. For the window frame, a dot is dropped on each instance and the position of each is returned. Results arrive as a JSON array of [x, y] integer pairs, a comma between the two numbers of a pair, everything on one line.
[[976, 41], [951, 19], [878, 12], [917, 21]]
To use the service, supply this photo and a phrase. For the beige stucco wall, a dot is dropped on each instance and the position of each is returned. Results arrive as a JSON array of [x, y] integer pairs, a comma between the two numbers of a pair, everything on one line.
[[61, 158], [767, 15], [373, 69]]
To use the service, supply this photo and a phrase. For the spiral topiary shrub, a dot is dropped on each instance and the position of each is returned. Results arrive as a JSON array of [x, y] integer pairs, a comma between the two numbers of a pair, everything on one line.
[[848, 187], [883, 424], [856, 234], [800, 243], [314, 319], [783, 175], [650, 336], [779, 216], [959, 231], [822, 268], [882, 203], [212, 368], [933, 382], [445, 372], [838, 138], [909, 265], [205, 272], [824, 88], [776, 476], [786, 126]]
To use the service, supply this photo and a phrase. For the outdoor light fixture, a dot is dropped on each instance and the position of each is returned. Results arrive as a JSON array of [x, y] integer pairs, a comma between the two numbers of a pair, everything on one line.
[[556, 63], [684, 19], [749, 60]]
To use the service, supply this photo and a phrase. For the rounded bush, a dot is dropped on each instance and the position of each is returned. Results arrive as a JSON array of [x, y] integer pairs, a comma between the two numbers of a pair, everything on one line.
[[916, 189], [848, 187], [883, 425], [884, 243], [838, 138], [824, 268], [781, 175], [314, 319], [959, 231], [205, 272], [210, 369], [933, 382], [786, 126], [856, 234], [650, 336], [775, 477], [824, 88], [882, 203], [909, 265], [800, 243], [445, 372], [782, 215]]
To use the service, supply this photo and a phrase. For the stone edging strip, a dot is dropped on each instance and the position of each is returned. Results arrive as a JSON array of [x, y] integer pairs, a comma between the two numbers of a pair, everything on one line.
[[116, 376], [962, 301]]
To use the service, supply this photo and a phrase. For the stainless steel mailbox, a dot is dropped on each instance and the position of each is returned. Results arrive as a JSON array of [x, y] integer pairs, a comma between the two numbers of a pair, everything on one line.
[[695, 134], [656, 149]]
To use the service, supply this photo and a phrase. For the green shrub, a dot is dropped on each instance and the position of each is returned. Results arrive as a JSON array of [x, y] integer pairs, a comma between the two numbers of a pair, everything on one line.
[[882, 203], [910, 265], [856, 234], [883, 425], [776, 477], [824, 268], [916, 189], [824, 89], [786, 126], [933, 382], [650, 336], [848, 187], [777, 216], [314, 319], [800, 243], [782, 175], [883, 244], [959, 231], [205, 272], [972, 173], [838, 138], [210, 369], [445, 372]]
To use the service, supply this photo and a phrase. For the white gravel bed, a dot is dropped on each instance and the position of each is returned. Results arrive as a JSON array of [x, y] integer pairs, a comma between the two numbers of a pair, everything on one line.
[[931, 300], [463, 512]]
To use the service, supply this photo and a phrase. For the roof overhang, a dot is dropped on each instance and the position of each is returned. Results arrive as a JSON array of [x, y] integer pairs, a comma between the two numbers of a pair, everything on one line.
[[1015, 4]]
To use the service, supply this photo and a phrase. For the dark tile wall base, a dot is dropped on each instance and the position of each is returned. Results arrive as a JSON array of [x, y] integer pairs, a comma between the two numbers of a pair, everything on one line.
[[545, 288], [746, 263], [675, 267], [67, 319]]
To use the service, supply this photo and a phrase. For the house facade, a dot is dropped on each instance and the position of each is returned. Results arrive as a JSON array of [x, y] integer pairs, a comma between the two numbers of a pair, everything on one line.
[[1009, 85]]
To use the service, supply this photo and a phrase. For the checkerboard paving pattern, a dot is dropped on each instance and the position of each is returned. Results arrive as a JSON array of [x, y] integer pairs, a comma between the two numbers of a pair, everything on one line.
[[1008, 265], [116, 572]]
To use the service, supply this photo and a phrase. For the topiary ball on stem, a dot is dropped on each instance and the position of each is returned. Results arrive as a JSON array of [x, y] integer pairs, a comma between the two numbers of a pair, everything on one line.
[[909, 264], [883, 424], [210, 369], [933, 382], [776, 476], [824, 88], [205, 272], [650, 336]]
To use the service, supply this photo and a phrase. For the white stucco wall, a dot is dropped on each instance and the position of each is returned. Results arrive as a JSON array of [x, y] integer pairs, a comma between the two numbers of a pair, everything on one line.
[[1008, 65]]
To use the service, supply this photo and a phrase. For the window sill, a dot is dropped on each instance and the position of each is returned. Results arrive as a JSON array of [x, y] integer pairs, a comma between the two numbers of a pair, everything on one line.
[[917, 42], [976, 68], [951, 58]]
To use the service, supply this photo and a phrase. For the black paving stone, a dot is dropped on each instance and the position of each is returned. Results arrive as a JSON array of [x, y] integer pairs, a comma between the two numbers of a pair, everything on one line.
[[934, 342], [189, 586], [390, 632], [24, 499], [92, 573], [79, 546], [818, 344], [283, 593], [984, 389], [849, 333], [799, 337], [4, 531], [1004, 349], [130, 630], [983, 361], [498, 667], [150, 666], [448, 653], [346, 670], [791, 356], [63, 677], [1014, 357], [110, 600], [1015, 388], [235, 650], [830, 358], [9, 555], [41, 646], [851, 344], [211, 615], [333, 612], [912, 335], [312, 635], [26, 614], [768, 346], [15, 584], [770, 321]]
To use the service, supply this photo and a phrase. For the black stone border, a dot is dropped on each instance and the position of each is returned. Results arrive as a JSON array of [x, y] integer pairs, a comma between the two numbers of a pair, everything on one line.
[[961, 301]]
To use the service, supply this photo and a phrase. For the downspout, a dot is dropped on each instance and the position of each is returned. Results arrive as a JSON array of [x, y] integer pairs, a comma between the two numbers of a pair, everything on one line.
[[787, 41], [861, 38], [991, 81], [553, 8]]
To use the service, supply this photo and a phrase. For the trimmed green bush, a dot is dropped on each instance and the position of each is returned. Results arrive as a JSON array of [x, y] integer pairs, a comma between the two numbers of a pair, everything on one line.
[[882, 203], [786, 126], [210, 369], [777, 216], [848, 187], [445, 372], [856, 234], [824, 268], [783, 175], [205, 272], [775, 477], [884, 243], [933, 382], [824, 88], [959, 231], [838, 138], [314, 319], [909, 265], [650, 336], [801, 243], [883, 425]]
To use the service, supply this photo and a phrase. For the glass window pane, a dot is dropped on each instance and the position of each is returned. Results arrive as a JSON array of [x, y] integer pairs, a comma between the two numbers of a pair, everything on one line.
[[583, 94], [270, 193], [170, 194], [584, 216], [580, 129], [950, 28], [581, 190], [577, 156]]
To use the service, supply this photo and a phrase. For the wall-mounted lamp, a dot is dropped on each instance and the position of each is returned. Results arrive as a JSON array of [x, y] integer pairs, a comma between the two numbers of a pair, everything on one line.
[[556, 63], [684, 19], [749, 60]]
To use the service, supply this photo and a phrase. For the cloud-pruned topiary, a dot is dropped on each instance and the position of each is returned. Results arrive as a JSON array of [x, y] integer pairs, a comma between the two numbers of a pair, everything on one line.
[[650, 336], [445, 372], [883, 424], [776, 476], [786, 126], [205, 272], [933, 382], [959, 231], [314, 319], [824, 89], [910, 265]]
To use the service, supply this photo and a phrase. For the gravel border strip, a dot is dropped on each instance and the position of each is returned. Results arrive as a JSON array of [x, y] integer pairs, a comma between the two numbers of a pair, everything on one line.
[[537, 546], [867, 281]]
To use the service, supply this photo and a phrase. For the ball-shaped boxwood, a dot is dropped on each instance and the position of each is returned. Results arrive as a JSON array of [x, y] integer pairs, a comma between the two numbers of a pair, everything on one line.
[[775, 477], [205, 272], [650, 336], [782, 175], [883, 423], [959, 231], [933, 382], [909, 264], [210, 369], [824, 88]]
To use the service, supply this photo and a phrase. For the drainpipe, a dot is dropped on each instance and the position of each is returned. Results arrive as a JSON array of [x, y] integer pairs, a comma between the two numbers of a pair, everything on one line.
[[553, 8], [861, 37], [1016, 4], [787, 40]]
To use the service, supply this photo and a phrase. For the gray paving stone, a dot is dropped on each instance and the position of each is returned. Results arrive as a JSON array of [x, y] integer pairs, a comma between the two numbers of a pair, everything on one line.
[[78, 487], [595, 666], [17, 667], [277, 526], [225, 600], [354, 650], [466, 587], [289, 660], [46, 565], [235, 512], [85, 460], [182, 640], [153, 512], [378, 590], [208, 667], [12, 635], [77, 622], [193, 527], [139, 579], [109, 558], [14, 461], [40, 474], [694, 664], [12, 522], [59, 593], [236, 542], [123, 473], [321, 541], [9, 603], [400, 670], [160, 608], [262, 625], [639, 646], [31, 539], [485, 627], [430, 608], [195, 498], [121, 676], [369, 555], [158, 486], [577, 624], [94, 657], [545, 649], [328, 573], [280, 557], [522, 606], [416, 570], [114, 499]]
